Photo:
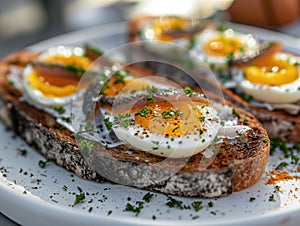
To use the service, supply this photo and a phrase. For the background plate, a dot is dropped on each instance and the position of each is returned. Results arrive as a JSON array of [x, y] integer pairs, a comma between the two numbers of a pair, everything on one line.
[[31, 195]]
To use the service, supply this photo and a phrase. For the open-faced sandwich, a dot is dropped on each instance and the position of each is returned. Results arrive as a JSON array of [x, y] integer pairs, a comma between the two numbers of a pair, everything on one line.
[[150, 133]]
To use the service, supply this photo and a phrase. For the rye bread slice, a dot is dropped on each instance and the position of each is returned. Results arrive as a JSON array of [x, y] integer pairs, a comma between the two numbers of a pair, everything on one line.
[[238, 163]]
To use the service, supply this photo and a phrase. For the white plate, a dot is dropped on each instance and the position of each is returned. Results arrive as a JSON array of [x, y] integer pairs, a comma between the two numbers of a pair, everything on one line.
[[31, 195]]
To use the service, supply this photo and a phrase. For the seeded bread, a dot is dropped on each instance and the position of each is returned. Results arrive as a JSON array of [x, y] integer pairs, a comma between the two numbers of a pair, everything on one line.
[[238, 164]]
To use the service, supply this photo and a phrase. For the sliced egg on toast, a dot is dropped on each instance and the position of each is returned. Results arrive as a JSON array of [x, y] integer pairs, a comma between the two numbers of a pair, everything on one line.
[[168, 129]]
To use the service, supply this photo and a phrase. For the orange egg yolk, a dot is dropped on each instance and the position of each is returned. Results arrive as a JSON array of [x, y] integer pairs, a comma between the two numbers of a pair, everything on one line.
[[272, 71], [54, 83], [163, 118], [50, 90], [222, 46], [168, 24]]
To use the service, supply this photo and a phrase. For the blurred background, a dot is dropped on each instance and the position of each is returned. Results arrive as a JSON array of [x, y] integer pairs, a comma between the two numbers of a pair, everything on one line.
[[25, 22]]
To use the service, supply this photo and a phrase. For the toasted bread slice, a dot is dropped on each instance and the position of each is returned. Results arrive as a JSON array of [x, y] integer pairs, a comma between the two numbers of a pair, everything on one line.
[[237, 164]]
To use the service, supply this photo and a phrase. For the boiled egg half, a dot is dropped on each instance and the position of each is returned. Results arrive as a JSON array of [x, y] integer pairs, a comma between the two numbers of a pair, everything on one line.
[[219, 47], [52, 80], [274, 79], [168, 129]]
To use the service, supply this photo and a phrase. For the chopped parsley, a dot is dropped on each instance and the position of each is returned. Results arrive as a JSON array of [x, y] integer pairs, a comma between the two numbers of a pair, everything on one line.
[[94, 50], [252, 199], [173, 112], [152, 89], [86, 145], [78, 70], [247, 98], [202, 119], [135, 209], [235, 112], [22, 152], [147, 197], [60, 110], [57, 134], [144, 111], [108, 123], [188, 90], [174, 203], [277, 188], [271, 198], [197, 205], [120, 77], [245, 121], [11, 83], [210, 204], [78, 198], [123, 119], [281, 165], [150, 97], [201, 132], [43, 164], [66, 119]]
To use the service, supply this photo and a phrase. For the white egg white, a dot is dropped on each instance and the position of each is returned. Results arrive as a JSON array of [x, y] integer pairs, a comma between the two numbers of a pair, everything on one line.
[[174, 147]]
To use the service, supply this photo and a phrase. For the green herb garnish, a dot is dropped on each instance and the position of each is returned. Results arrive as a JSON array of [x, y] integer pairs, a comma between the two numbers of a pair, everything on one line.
[[235, 112], [173, 112], [210, 204], [271, 198], [174, 203], [43, 164], [147, 197], [78, 70], [60, 110], [86, 145], [144, 111], [78, 199], [135, 209], [22, 152], [201, 132], [150, 97], [197, 205], [252, 199], [247, 98], [277, 188], [202, 119], [108, 123], [281, 165], [188, 90]]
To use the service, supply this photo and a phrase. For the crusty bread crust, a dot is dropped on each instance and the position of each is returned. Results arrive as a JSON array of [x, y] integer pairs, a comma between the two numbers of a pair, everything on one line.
[[238, 164], [278, 123]]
